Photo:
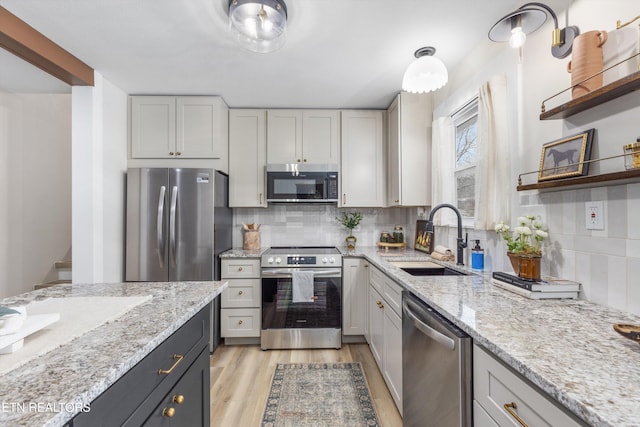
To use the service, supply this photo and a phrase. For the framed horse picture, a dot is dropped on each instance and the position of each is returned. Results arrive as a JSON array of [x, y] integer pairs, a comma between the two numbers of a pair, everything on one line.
[[566, 157]]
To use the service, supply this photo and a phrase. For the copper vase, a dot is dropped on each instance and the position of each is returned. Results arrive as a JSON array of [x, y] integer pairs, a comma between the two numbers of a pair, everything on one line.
[[526, 266], [586, 61]]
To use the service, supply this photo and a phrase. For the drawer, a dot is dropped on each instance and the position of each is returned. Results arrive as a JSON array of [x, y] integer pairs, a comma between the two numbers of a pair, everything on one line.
[[239, 268], [495, 385], [377, 279], [481, 418], [120, 400], [242, 293], [392, 292], [240, 322]]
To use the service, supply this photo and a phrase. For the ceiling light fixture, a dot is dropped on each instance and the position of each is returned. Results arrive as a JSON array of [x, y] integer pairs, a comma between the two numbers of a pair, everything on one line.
[[515, 26], [258, 25], [426, 73]]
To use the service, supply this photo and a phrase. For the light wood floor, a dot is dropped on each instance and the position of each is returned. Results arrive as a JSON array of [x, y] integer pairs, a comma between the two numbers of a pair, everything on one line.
[[241, 377]]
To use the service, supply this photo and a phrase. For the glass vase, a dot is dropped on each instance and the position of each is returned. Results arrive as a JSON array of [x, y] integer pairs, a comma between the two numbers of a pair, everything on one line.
[[526, 266]]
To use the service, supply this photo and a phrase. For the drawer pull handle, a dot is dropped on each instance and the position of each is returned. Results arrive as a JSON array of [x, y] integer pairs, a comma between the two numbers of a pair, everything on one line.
[[379, 304], [240, 292], [509, 407], [239, 268], [178, 358], [240, 322], [178, 400], [168, 412]]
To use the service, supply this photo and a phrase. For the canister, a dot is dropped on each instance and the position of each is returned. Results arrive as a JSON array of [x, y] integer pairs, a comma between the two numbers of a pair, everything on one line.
[[632, 157], [398, 234]]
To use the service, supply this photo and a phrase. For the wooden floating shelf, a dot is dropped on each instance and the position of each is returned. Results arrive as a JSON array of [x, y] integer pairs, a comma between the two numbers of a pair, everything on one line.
[[599, 96], [605, 179]]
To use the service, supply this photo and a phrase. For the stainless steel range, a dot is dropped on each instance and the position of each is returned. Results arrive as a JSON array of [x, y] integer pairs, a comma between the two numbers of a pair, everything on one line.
[[301, 298]]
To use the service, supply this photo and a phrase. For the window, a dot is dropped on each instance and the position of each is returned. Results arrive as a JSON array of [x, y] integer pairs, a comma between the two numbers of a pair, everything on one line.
[[465, 121]]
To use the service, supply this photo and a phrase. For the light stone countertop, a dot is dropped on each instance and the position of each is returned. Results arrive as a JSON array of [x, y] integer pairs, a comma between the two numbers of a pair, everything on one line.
[[52, 388], [241, 253], [568, 348]]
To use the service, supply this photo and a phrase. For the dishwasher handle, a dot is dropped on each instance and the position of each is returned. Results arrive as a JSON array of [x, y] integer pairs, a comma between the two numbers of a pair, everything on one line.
[[449, 343]]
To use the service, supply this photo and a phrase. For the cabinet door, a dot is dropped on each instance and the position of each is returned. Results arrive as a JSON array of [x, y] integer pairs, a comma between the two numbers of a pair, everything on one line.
[[247, 158], [415, 149], [355, 282], [153, 126], [392, 356], [201, 127], [188, 403], [362, 156], [284, 136], [376, 325], [321, 136], [393, 154]]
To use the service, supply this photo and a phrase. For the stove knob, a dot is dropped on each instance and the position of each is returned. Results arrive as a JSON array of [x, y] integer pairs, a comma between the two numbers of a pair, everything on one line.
[[332, 260], [270, 260], [278, 260], [325, 260]]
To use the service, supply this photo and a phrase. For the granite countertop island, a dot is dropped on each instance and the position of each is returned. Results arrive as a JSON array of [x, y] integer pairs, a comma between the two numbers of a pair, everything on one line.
[[567, 348], [50, 389]]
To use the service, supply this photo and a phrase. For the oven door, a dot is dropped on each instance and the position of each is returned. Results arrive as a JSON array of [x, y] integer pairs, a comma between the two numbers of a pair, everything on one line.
[[280, 312]]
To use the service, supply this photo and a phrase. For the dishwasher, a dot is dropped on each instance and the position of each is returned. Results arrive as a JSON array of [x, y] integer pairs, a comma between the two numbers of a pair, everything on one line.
[[436, 368]]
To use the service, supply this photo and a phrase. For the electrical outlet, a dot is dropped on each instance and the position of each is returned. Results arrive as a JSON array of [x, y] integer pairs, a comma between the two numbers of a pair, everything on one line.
[[594, 215]]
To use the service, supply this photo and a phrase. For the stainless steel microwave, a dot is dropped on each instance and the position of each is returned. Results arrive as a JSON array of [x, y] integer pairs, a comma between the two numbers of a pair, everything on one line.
[[302, 183]]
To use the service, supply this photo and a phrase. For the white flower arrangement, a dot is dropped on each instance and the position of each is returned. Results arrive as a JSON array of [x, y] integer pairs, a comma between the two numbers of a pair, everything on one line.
[[526, 237]]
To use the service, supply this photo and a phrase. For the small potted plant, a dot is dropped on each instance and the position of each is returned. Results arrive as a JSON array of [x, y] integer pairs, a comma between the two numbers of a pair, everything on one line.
[[523, 245], [351, 221]]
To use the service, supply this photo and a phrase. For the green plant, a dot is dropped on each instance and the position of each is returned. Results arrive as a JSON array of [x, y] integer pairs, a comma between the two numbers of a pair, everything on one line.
[[350, 220], [526, 237]]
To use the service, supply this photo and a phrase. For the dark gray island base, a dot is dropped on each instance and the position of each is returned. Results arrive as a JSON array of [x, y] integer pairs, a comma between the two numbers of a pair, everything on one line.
[[172, 382]]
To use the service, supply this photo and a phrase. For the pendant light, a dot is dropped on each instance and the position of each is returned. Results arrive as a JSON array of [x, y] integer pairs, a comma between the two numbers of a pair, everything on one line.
[[258, 25], [426, 73]]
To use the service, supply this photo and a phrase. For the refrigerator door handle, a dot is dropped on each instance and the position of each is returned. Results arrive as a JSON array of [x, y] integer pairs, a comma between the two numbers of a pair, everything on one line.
[[172, 226], [159, 226]]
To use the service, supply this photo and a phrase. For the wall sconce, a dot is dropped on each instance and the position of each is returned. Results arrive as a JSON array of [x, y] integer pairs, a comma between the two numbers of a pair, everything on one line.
[[426, 73], [515, 26], [258, 25]]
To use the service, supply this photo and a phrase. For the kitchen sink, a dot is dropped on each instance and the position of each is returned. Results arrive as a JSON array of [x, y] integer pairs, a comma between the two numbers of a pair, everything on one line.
[[426, 268]]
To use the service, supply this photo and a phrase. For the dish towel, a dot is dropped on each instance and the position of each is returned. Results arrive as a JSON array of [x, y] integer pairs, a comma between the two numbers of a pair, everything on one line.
[[442, 253], [302, 284]]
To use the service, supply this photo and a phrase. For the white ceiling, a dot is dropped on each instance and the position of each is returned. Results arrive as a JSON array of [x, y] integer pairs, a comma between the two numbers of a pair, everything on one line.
[[338, 53]]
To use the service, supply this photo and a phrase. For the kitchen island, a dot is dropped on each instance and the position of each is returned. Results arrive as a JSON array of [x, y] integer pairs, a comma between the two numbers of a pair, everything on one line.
[[566, 348], [49, 390]]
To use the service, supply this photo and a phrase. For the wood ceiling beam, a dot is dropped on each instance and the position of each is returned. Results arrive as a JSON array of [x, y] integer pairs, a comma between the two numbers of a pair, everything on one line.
[[26, 42]]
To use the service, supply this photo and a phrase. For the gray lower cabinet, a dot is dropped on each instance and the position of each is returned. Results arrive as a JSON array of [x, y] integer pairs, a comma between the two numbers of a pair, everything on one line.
[[170, 386]]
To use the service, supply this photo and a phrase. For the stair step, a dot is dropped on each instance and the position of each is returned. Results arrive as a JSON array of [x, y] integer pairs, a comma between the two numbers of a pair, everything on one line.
[[51, 283], [62, 265]]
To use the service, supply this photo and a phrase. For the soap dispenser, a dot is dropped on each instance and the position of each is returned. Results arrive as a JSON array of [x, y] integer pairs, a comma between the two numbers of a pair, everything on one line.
[[477, 257]]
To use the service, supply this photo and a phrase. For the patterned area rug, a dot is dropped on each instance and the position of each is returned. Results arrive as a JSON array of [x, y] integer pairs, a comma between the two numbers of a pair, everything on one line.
[[319, 394]]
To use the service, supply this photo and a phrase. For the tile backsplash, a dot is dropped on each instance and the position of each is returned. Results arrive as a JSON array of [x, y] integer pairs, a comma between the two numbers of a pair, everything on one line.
[[316, 225]]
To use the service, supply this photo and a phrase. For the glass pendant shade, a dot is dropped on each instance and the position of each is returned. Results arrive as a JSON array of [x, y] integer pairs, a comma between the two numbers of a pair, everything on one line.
[[258, 25], [425, 74]]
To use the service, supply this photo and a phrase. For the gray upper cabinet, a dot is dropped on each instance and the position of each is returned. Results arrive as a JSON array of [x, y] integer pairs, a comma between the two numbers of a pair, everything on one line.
[[186, 127], [409, 151], [303, 136]]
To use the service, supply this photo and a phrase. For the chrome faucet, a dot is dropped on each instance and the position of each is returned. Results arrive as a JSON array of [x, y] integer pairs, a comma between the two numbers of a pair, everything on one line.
[[461, 243]]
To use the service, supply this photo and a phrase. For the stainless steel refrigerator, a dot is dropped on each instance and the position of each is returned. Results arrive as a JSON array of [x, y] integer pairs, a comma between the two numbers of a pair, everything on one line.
[[178, 222]]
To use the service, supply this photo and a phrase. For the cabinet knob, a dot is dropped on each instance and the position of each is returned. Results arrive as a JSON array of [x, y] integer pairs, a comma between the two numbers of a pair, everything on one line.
[[379, 304], [396, 201], [168, 412], [178, 153], [239, 268], [366, 266], [304, 160], [299, 161], [171, 153], [240, 292], [178, 399], [240, 322]]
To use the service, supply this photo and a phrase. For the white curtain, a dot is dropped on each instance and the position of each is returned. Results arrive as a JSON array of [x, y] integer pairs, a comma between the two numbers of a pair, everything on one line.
[[443, 174], [493, 182]]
